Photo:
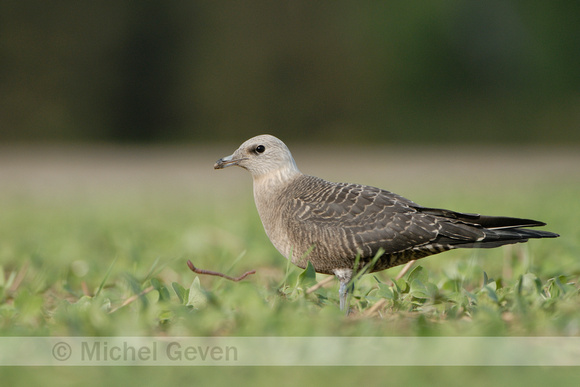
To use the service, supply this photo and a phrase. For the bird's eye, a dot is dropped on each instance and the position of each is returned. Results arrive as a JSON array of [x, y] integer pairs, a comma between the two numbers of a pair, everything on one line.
[[260, 149]]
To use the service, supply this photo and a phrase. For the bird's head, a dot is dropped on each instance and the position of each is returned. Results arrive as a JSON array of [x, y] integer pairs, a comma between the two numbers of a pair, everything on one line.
[[263, 155]]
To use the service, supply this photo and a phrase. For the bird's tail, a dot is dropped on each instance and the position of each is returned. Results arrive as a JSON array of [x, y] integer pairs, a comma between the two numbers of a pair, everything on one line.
[[474, 230], [502, 236]]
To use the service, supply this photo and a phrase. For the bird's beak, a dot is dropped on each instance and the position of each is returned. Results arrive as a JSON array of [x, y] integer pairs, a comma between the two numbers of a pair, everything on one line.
[[227, 162]]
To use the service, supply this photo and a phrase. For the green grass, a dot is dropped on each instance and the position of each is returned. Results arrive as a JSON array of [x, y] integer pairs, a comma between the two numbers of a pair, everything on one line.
[[113, 263], [69, 267]]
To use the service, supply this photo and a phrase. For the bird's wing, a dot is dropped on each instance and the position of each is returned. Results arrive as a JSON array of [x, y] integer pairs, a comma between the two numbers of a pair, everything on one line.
[[363, 219]]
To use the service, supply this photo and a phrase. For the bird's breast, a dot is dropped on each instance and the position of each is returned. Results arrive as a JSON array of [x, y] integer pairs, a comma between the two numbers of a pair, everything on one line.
[[272, 212]]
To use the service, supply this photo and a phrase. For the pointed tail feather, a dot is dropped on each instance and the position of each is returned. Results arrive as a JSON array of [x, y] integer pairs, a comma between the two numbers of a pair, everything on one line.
[[500, 237], [490, 222], [504, 222]]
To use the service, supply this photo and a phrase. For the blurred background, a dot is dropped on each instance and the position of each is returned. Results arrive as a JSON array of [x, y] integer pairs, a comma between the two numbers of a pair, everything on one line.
[[336, 71]]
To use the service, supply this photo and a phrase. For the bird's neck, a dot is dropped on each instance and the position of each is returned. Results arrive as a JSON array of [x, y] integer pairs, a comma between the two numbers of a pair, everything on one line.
[[268, 187], [268, 196], [275, 179]]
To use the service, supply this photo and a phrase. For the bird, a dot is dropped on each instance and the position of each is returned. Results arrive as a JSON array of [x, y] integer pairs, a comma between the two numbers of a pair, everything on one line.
[[342, 228]]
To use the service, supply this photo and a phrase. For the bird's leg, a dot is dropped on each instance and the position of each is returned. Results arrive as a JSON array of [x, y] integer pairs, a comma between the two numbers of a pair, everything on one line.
[[343, 293], [344, 276]]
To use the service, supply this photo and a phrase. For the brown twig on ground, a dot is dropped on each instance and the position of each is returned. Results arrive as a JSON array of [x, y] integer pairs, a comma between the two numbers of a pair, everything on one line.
[[319, 284], [218, 274], [374, 309], [132, 298], [405, 269], [19, 277], [85, 288]]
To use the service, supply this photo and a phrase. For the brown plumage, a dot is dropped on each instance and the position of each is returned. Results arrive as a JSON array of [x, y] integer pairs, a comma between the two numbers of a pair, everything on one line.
[[333, 225]]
